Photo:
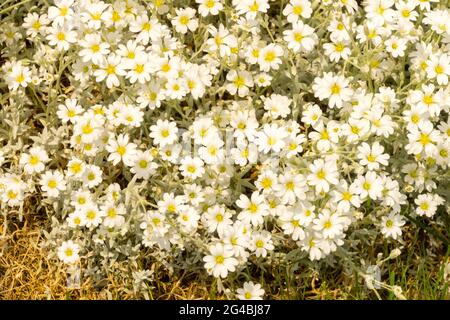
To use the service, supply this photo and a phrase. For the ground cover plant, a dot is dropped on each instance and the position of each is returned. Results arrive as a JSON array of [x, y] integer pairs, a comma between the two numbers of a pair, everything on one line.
[[251, 149]]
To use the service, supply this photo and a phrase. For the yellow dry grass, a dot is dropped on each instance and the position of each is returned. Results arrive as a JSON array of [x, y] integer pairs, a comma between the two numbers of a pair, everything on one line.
[[27, 273]]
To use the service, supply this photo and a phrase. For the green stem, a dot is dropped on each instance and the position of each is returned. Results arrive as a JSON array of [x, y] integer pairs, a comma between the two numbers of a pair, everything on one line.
[[14, 6]]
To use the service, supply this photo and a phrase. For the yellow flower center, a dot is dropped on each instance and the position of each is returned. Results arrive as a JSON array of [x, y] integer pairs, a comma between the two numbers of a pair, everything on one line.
[[220, 259], [297, 10], [63, 11], [428, 100], [52, 184], [239, 82], [139, 68], [61, 36], [371, 158], [254, 7], [115, 16], [20, 78], [259, 244], [37, 25], [253, 208], [146, 26], [270, 56], [121, 150], [346, 196], [321, 174], [75, 167], [111, 69], [335, 89], [290, 185], [143, 164], [298, 36], [112, 213], [424, 139], [266, 183], [91, 214], [12, 195], [95, 48], [34, 160], [339, 47], [96, 16], [184, 20]]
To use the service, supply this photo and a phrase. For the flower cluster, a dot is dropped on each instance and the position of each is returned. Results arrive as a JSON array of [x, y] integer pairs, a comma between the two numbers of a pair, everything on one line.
[[225, 132]]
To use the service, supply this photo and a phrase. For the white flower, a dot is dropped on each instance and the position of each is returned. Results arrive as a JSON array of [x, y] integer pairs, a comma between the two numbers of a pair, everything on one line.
[[68, 252], [334, 88], [271, 138], [427, 204], [369, 185], [164, 132], [269, 57], [94, 48], [61, 12], [61, 37], [212, 7], [260, 243], [110, 68], [422, 138], [439, 67], [19, 76], [52, 182], [372, 156], [251, 7], [322, 175], [143, 165], [34, 161], [92, 176], [391, 225], [69, 111], [146, 29], [220, 261], [113, 215], [185, 20], [297, 9], [250, 291], [253, 210], [240, 82], [192, 167], [290, 187], [301, 37], [217, 218], [396, 46], [92, 215], [277, 105], [121, 149]]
